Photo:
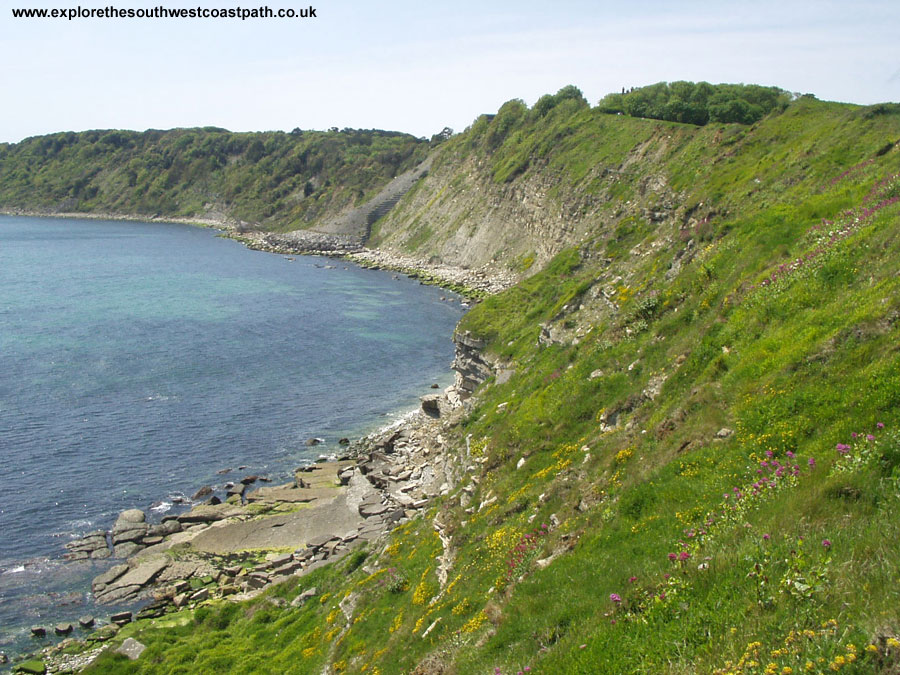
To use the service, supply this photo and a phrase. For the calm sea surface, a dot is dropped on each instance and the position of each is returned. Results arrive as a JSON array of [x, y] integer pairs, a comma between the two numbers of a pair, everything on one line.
[[137, 360]]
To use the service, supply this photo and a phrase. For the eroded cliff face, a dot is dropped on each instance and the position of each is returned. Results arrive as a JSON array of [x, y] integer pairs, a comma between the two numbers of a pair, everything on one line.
[[471, 366], [460, 214]]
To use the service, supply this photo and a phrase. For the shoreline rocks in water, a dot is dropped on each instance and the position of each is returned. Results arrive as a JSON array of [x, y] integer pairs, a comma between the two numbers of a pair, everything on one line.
[[344, 504]]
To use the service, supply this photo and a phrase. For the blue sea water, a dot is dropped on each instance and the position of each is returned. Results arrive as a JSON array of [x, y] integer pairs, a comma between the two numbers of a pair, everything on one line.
[[139, 359]]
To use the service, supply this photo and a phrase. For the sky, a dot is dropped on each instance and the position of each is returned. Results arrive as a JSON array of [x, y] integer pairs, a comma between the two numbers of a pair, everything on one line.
[[419, 65]]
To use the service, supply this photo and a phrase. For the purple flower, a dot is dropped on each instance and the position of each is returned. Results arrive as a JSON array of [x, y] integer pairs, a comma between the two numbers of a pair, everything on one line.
[[766, 537], [870, 437], [662, 595], [790, 454], [631, 580], [826, 543], [615, 597], [854, 434], [880, 425], [684, 555], [811, 462], [673, 556]]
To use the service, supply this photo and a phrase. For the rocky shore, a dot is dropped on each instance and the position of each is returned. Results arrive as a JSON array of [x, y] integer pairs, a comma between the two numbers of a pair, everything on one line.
[[265, 534], [257, 534], [475, 283]]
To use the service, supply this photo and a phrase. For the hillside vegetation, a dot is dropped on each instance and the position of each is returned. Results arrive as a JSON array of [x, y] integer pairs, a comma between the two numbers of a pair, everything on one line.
[[695, 464], [272, 180]]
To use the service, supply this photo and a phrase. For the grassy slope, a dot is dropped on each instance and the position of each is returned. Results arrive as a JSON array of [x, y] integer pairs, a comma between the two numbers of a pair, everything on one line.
[[273, 180], [796, 366]]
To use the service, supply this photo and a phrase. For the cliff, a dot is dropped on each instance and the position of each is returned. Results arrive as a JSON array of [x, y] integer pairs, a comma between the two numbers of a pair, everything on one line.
[[678, 448]]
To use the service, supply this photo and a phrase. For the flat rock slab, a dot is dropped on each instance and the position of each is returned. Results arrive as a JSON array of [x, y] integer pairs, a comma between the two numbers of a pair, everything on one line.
[[370, 509], [144, 573], [289, 494], [110, 575], [324, 474], [290, 530], [210, 513]]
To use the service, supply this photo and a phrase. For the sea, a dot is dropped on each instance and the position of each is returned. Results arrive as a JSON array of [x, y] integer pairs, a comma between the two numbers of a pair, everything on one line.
[[140, 361]]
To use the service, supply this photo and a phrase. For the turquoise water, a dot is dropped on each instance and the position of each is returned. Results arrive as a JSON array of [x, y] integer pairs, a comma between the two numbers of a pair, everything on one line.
[[137, 360]]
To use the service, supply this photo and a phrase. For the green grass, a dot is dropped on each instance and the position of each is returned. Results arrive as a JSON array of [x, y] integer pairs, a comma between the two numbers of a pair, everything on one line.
[[663, 333]]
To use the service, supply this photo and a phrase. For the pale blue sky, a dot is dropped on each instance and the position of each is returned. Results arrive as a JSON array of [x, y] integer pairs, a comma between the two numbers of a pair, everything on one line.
[[417, 66]]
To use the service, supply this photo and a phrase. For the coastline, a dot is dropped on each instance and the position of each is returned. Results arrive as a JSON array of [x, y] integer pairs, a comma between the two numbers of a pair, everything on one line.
[[474, 284], [237, 549], [388, 477]]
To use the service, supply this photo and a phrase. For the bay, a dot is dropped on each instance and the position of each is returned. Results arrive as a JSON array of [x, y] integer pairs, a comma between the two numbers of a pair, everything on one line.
[[137, 360]]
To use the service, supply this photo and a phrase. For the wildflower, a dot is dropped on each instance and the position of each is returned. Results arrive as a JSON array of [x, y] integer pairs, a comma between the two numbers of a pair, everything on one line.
[[766, 537], [812, 463], [880, 425], [870, 437], [673, 556], [854, 435], [872, 649], [581, 646], [893, 643], [826, 543], [615, 597], [631, 580], [684, 555], [790, 454], [662, 595]]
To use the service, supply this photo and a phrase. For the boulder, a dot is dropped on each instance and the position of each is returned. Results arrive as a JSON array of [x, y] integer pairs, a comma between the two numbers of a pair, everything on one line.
[[86, 622], [38, 631], [131, 516], [205, 491], [32, 667], [236, 489], [121, 618], [126, 549], [63, 628], [201, 595], [131, 648], [431, 404], [104, 633]]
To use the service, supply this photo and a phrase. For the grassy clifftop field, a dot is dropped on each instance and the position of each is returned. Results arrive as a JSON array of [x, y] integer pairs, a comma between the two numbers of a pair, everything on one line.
[[692, 460]]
